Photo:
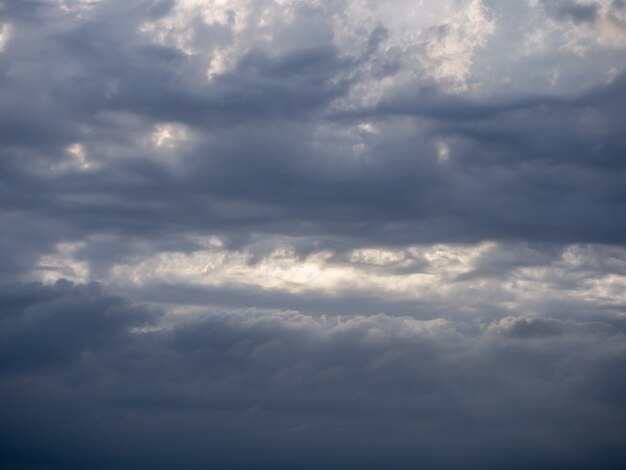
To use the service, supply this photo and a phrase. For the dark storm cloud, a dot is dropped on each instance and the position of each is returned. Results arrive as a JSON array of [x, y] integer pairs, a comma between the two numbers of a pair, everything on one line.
[[267, 388]]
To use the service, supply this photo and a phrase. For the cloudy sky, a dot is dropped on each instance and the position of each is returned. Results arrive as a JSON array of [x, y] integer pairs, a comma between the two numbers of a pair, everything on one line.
[[312, 234]]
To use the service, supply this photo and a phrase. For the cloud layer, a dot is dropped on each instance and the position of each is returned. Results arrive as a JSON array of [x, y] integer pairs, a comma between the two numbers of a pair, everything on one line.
[[250, 234], [325, 122], [112, 384]]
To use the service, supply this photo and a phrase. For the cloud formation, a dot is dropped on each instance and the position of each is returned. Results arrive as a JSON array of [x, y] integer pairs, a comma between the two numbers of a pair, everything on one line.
[[264, 388], [250, 234], [128, 134]]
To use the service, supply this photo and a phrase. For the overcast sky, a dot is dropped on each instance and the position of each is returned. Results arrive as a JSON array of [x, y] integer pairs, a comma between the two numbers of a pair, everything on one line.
[[314, 234]]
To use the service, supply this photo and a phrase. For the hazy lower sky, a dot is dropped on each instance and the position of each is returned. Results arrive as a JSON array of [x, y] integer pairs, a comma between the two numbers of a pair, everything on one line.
[[260, 234]]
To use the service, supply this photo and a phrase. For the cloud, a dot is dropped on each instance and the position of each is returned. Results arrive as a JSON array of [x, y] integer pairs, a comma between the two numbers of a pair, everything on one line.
[[218, 389], [346, 233], [273, 144], [574, 11], [127, 141], [585, 23], [47, 325]]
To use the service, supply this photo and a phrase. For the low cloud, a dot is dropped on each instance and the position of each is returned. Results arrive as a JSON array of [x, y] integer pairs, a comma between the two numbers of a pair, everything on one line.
[[266, 387]]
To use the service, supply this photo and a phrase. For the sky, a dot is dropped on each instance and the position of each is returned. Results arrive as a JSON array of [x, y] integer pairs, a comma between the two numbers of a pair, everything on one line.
[[339, 234]]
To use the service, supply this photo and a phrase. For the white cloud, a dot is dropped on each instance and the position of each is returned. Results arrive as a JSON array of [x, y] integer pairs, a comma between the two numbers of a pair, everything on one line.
[[62, 264], [5, 34], [167, 134], [79, 157], [75, 159], [460, 277], [450, 46], [428, 37], [443, 151]]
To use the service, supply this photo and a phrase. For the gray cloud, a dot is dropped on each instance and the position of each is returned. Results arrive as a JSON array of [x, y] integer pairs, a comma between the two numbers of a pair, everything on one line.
[[573, 11], [133, 132], [267, 155], [45, 325], [265, 387]]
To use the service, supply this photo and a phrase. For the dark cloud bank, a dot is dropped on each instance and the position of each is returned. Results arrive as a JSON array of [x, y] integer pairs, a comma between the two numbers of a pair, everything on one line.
[[88, 382], [287, 144]]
